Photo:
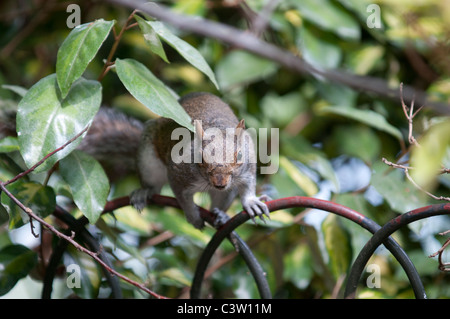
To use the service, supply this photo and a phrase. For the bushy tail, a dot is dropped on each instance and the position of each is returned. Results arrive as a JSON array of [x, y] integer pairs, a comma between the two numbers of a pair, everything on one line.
[[112, 139]]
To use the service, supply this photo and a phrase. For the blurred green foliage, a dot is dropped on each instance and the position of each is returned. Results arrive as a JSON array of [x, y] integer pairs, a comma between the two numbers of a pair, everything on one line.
[[332, 140]]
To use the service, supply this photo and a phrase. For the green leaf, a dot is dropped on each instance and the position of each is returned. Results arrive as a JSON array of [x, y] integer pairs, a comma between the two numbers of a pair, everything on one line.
[[327, 15], [175, 277], [16, 89], [172, 220], [364, 60], [78, 50], [399, 192], [151, 38], [298, 266], [16, 261], [191, 7], [88, 183], [338, 245], [83, 273], [40, 199], [317, 51], [367, 117], [150, 91], [428, 158], [240, 67], [300, 149], [46, 122], [302, 180], [9, 144], [9, 168], [108, 227], [186, 50], [355, 140], [290, 105]]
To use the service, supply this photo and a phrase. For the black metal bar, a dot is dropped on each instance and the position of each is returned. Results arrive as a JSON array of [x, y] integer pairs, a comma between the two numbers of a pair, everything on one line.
[[381, 235], [300, 201], [253, 264]]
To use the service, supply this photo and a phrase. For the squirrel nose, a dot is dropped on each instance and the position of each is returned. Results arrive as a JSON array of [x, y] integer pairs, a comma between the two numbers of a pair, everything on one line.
[[220, 182]]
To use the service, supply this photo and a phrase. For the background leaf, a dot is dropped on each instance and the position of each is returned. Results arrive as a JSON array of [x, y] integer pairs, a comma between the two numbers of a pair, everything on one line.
[[89, 274], [150, 91], [16, 261], [368, 117], [77, 51], [327, 15], [240, 67], [151, 38], [9, 144], [317, 50], [401, 195], [88, 183], [46, 121], [338, 245], [186, 50], [428, 158], [40, 199], [298, 266]]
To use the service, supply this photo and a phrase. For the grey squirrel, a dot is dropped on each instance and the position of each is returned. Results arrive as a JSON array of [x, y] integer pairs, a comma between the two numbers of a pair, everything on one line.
[[123, 144], [222, 179]]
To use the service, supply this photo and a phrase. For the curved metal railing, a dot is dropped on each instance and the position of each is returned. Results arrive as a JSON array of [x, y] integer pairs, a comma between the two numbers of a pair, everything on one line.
[[381, 235]]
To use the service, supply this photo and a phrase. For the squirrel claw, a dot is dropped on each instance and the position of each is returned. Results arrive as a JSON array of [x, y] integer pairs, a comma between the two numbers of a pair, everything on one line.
[[138, 198], [221, 217], [256, 208], [265, 198]]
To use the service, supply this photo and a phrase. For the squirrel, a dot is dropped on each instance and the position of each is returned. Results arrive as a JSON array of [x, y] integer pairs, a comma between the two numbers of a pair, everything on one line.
[[222, 179], [123, 144]]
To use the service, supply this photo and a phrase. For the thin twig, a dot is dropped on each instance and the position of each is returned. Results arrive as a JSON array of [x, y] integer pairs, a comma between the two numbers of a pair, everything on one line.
[[117, 38], [442, 266], [31, 169], [32, 229], [261, 21], [406, 170], [410, 114], [412, 140], [423, 190]]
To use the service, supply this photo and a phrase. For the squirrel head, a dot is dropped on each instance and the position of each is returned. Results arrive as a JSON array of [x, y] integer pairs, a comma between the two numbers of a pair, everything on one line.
[[222, 153]]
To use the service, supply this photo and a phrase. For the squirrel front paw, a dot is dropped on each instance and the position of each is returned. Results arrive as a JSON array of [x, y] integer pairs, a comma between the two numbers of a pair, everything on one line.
[[139, 197], [221, 217], [256, 208]]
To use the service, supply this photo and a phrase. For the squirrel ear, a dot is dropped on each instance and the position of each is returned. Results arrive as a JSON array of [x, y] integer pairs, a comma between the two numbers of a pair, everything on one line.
[[240, 128], [241, 124], [198, 128]]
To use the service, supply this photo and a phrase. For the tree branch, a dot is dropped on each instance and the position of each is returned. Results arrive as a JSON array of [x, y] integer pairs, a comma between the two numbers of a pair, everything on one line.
[[249, 42]]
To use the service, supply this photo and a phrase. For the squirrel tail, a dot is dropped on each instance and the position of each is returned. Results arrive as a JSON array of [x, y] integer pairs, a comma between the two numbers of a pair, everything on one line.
[[113, 139]]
